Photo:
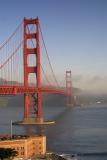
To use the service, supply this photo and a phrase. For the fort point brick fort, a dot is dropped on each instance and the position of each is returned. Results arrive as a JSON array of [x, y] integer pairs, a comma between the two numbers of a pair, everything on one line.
[[26, 146]]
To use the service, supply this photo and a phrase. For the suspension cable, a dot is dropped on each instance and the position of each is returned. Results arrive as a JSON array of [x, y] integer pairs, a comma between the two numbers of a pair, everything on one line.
[[48, 56], [9, 58], [40, 64], [10, 37]]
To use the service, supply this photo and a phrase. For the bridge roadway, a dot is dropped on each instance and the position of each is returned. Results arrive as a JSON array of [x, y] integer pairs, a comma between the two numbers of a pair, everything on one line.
[[14, 90]]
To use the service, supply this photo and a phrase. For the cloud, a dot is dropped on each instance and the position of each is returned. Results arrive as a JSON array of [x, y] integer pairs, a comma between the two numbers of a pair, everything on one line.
[[95, 83], [77, 78], [95, 79]]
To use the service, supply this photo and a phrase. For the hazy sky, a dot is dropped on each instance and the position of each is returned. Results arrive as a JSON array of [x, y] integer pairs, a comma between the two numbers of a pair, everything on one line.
[[75, 33]]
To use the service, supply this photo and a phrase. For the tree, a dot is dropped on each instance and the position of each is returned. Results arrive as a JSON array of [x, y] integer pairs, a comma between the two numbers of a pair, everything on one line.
[[7, 153]]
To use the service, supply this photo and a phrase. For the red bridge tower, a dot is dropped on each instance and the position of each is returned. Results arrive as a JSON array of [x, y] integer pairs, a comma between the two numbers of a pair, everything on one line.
[[69, 90], [34, 69]]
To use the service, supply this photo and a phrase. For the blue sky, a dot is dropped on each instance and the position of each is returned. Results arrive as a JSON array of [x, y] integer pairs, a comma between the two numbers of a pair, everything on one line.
[[75, 32]]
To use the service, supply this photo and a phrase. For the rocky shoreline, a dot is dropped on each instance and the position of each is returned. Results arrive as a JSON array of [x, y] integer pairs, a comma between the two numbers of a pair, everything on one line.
[[53, 156]]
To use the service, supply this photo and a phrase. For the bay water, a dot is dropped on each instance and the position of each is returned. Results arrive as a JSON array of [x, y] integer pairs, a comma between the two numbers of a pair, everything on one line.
[[78, 130]]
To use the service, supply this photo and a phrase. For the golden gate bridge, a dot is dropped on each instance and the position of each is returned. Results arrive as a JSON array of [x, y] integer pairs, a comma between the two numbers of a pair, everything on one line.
[[23, 70]]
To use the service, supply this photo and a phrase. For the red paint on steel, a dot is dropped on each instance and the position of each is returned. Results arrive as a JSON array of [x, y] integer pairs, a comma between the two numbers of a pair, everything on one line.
[[26, 89], [38, 73], [35, 69], [69, 88], [15, 90]]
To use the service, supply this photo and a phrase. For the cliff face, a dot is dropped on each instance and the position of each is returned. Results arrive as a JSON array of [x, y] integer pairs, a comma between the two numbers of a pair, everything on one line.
[[18, 101], [54, 100], [6, 101]]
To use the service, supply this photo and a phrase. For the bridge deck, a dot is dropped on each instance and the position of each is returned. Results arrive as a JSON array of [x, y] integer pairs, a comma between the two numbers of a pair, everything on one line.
[[14, 90]]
